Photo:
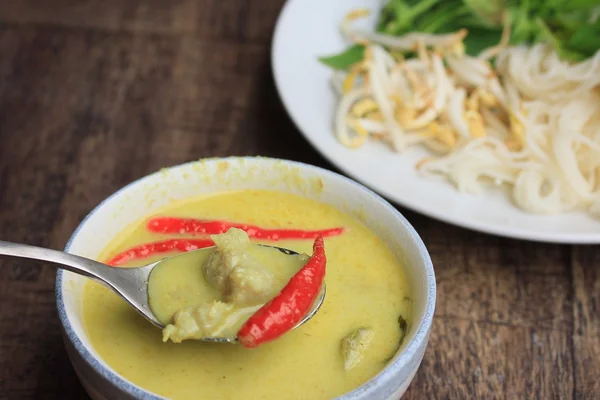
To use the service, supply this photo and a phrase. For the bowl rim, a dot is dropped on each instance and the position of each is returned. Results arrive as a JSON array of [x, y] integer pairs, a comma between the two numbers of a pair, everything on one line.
[[386, 374]]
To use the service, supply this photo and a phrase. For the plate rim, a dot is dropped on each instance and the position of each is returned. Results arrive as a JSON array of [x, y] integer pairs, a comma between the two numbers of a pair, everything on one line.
[[496, 229]]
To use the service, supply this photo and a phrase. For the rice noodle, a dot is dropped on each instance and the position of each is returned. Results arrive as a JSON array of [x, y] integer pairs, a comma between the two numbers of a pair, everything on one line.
[[530, 123]]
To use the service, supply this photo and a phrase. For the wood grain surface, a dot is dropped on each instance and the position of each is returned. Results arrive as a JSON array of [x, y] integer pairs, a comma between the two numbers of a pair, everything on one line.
[[97, 93]]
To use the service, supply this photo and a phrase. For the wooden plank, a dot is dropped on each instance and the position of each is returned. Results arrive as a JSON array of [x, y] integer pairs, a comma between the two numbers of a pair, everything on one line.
[[586, 309], [490, 279], [468, 359], [152, 16], [223, 20]]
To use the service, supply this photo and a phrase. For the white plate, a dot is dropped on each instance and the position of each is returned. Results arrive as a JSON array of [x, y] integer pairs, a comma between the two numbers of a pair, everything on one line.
[[307, 29]]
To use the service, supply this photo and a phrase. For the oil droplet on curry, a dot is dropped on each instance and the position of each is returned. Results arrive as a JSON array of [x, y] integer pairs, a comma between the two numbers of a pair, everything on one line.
[[349, 341]]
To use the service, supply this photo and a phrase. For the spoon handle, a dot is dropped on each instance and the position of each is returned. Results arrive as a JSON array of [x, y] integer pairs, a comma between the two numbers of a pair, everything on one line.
[[129, 283], [73, 263]]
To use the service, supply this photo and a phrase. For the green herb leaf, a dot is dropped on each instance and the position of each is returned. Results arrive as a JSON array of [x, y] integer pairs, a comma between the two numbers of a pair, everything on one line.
[[443, 20], [345, 59], [571, 27], [402, 16], [490, 11], [480, 39], [586, 39], [569, 5]]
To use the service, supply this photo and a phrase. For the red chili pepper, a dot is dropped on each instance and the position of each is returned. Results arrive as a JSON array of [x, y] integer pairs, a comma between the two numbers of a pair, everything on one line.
[[286, 309], [206, 227], [165, 246]]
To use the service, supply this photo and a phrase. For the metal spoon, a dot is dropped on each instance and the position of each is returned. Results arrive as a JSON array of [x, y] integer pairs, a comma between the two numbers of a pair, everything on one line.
[[130, 283]]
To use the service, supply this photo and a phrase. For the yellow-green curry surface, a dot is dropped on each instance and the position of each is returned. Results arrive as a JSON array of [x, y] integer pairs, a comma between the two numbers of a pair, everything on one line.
[[366, 288]]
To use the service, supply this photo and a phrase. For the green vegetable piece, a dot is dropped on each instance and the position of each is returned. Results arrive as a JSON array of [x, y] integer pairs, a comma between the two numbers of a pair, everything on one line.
[[402, 13], [385, 17], [586, 39], [354, 346], [546, 34], [480, 39], [420, 8], [489, 11], [571, 21], [571, 27], [345, 59], [403, 16], [523, 29], [443, 20], [403, 325], [569, 5]]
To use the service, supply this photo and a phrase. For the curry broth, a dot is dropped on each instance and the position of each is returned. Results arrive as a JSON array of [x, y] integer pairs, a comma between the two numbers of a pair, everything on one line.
[[366, 287]]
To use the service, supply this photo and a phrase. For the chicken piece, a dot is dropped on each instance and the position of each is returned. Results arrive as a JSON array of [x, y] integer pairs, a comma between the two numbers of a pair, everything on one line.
[[232, 270], [354, 346], [197, 322], [249, 284], [230, 250]]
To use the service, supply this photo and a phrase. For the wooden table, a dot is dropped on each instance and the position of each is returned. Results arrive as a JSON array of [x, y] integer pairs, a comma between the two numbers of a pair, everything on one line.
[[97, 93]]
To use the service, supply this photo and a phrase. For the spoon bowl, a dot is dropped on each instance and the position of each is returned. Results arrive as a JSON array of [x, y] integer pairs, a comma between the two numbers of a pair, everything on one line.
[[131, 283]]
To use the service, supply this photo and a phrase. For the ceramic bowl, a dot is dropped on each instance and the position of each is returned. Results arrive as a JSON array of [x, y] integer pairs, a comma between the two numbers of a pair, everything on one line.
[[212, 175]]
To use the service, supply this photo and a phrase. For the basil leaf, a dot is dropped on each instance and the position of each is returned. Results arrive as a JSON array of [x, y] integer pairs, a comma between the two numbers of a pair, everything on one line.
[[586, 39], [345, 59], [480, 39]]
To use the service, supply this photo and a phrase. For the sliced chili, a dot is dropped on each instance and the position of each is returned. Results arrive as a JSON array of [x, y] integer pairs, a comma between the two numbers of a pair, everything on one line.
[[288, 308], [194, 226], [164, 246]]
